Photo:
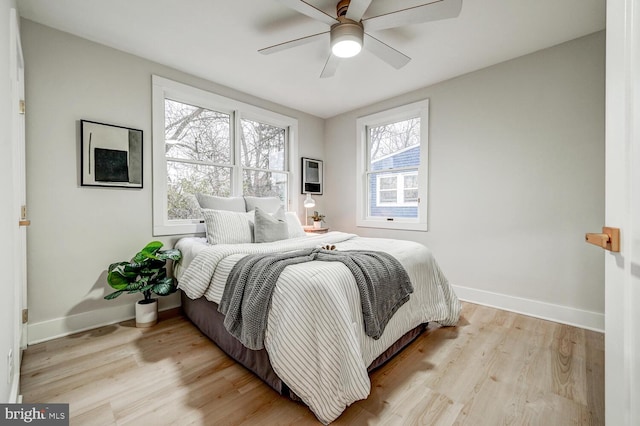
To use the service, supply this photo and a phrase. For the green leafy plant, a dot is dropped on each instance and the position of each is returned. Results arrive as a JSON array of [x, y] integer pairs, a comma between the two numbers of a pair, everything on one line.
[[146, 273], [317, 216]]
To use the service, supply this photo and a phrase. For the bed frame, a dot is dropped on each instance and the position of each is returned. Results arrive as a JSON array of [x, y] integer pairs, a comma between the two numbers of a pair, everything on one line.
[[204, 314]]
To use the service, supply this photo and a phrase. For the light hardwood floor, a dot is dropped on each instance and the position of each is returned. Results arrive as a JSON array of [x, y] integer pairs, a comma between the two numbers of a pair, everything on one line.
[[495, 367]]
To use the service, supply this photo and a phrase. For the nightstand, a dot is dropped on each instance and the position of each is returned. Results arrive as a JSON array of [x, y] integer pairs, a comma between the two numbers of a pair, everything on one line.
[[312, 230]]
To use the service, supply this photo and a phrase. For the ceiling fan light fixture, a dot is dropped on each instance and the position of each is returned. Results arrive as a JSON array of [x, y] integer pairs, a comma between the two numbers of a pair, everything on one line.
[[346, 48], [346, 39]]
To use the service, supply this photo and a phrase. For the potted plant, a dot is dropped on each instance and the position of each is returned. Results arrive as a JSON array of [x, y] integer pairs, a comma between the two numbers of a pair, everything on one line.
[[145, 273], [317, 219]]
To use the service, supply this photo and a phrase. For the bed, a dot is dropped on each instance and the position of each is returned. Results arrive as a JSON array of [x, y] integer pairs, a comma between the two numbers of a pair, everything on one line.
[[315, 348]]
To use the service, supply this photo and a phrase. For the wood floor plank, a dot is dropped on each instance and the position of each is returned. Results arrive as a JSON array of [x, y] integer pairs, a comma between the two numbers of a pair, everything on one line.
[[494, 367]]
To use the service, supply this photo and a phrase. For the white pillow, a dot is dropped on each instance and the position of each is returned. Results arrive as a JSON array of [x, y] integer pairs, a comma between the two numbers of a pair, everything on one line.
[[267, 204], [226, 227], [295, 227], [233, 204]]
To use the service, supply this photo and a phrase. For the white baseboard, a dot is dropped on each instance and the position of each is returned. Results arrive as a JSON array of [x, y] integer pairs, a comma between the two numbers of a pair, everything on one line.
[[51, 329], [547, 311], [58, 327]]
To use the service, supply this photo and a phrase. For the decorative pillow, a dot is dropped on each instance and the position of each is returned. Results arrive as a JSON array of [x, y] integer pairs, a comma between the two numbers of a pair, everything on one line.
[[227, 227], [295, 227], [232, 204], [268, 228], [267, 204]]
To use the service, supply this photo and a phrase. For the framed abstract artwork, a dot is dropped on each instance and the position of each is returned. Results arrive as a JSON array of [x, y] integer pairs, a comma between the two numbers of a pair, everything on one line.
[[111, 155], [312, 177]]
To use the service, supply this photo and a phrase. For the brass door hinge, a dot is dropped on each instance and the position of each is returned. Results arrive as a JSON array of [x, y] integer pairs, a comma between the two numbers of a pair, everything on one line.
[[25, 316], [21, 107]]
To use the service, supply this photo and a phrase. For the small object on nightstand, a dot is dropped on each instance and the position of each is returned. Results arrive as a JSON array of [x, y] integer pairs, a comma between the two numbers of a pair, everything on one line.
[[312, 230], [317, 219]]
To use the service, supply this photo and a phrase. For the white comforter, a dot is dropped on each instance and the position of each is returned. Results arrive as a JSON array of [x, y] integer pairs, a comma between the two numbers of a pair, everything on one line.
[[315, 334]]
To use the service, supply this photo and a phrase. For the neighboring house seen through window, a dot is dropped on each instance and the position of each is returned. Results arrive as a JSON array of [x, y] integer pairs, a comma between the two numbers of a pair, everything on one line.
[[399, 189], [392, 173], [205, 143]]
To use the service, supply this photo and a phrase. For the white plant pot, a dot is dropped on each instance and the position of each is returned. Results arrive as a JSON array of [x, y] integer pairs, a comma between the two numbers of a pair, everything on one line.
[[146, 313], [317, 224]]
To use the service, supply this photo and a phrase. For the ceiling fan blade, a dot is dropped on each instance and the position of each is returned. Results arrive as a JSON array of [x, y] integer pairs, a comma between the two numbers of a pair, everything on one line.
[[292, 43], [439, 9], [357, 8], [385, 52], [311, 11], [330, 67]]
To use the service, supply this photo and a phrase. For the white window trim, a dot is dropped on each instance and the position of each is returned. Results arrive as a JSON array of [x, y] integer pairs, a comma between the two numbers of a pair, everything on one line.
[[416, 109], [164, 88]]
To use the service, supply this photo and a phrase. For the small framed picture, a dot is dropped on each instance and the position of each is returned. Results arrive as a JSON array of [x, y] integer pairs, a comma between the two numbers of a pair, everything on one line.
[[111, 155], [311, 176]]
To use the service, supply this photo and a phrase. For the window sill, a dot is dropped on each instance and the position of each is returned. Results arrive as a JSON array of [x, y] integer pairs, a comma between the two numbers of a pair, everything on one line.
[[392, 224], [178, 229]]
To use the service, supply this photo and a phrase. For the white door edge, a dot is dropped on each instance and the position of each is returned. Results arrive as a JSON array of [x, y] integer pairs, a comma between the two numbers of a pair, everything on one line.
[[622, 270]]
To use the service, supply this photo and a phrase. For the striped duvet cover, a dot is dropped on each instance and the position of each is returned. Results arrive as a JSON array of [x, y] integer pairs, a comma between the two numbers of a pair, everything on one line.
[[315, 334]]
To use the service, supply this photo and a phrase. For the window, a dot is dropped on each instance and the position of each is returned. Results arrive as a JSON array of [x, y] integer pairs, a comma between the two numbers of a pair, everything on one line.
[[397, 190], [205, 143], [198, 155], [263, 160], [392, 168]]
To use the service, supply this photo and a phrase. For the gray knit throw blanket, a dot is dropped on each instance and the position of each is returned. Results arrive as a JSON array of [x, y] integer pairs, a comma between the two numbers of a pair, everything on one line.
[[383, 284]]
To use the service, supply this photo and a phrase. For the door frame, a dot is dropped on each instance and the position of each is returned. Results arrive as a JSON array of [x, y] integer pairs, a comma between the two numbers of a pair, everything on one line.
[[16, 62]]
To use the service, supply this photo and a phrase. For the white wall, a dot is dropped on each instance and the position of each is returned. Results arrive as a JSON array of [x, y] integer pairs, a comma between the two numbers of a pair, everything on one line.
[[516, 179], [76, 231], [8, 220]]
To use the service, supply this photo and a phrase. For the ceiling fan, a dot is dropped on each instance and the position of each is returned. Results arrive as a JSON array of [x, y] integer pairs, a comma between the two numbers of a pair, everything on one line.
[[347, 33]]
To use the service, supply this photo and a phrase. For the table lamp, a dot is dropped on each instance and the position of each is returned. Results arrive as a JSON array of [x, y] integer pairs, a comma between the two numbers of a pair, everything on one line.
[[308, 203]]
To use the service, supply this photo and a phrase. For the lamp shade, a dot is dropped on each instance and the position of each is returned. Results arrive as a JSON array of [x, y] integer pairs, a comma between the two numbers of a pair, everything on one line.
[[346, 39], [309, 202]]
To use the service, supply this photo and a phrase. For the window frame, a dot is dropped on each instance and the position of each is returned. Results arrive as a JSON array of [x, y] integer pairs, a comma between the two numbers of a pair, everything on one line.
[[163, 88], [420, 110]]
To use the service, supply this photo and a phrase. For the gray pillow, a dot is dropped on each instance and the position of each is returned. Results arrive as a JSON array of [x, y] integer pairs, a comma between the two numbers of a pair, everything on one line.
[[225, 227], [267, 204], [268, 228], [232, 204]]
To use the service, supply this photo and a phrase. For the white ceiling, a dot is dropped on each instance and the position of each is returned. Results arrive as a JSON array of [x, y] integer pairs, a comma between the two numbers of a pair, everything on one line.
[[218, 41]]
